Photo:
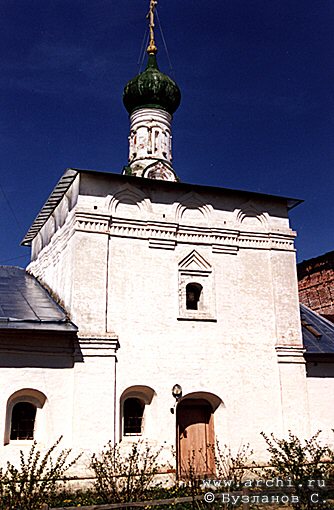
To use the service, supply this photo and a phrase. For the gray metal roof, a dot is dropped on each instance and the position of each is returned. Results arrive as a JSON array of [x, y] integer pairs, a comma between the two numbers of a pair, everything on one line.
[[318, 333], [25, 304]]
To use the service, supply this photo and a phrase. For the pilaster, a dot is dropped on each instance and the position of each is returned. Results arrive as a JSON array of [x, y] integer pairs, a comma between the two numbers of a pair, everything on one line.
[[293, 390]]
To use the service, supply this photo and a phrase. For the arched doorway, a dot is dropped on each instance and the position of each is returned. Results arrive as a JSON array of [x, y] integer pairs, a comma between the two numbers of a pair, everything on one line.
[[195, 437]]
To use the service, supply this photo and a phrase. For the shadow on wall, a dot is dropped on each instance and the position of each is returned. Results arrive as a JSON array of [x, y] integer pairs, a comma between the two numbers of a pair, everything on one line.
[[26, 348], [323, 369]]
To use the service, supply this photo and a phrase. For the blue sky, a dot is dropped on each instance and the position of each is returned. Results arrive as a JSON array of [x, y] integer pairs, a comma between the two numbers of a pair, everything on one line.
[[257, 109]]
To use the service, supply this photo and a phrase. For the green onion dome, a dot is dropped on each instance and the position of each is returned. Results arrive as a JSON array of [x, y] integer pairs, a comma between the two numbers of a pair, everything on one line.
[[152, 89]]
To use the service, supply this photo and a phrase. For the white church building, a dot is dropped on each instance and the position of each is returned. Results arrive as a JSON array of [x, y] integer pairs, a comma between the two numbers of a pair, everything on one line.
[[158, 310]]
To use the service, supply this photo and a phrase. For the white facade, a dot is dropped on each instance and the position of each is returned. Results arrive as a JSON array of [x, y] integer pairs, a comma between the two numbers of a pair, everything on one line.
[[320, 386], [119, 252]]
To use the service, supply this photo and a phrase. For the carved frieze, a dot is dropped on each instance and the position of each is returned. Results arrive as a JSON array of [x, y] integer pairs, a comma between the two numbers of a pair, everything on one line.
[[167, 235]]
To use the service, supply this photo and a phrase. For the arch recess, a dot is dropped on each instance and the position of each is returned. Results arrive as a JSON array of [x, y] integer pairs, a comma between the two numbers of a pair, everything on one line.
[[129, 196], [192, 202], [213, 399], [29, 395], [144, 393], [249, 212]]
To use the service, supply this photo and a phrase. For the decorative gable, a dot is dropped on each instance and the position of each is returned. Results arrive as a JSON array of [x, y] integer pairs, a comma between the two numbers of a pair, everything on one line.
[[196, 288], [195, 262]]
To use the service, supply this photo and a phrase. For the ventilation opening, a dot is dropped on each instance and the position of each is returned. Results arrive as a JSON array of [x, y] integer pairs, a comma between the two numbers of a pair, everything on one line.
[[193, 294]]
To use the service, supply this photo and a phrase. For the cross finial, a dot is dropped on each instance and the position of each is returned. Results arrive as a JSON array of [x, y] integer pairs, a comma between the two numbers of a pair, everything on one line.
[[152, 47]]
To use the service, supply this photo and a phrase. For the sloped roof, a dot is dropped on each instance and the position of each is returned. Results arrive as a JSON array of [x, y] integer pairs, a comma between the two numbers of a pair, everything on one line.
[[318, 333], [25, 304]]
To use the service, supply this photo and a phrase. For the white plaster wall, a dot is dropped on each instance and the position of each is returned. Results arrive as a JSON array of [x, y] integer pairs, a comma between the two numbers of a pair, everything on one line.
[[93, 405], [285, 289], [53, 265], [233, 358], [79, 400], [88, 306], [294, 395], [320, 385], [116, 280], [53, 420]]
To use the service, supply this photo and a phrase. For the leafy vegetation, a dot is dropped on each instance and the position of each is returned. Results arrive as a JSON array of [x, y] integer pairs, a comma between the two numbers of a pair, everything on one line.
[[122, 477], [134, 473], [36, 480], [305, 465], [233, 467]]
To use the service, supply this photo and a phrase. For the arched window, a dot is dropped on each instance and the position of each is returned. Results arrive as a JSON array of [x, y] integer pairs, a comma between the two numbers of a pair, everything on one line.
[[24, 418], [193, 294], [133, 410], [23, 421]]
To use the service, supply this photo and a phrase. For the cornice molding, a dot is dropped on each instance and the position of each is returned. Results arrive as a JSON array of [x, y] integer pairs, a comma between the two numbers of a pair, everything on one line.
[[166, 235], [100, 345], [92, 222], [290, 354]]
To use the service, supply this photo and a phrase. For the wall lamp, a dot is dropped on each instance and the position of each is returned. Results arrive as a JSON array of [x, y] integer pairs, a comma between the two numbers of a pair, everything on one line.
[[177, 391]]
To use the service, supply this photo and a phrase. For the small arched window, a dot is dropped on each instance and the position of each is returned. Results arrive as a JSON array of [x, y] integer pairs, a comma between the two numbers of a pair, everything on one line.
[[193, 295], [23, 421], [133, 410]]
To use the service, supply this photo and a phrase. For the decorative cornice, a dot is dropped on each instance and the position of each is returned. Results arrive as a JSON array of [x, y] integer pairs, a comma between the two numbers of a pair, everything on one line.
[[97, 337], [100, 345], [90, 222], [164, 244], [167, 235], [290, 354]]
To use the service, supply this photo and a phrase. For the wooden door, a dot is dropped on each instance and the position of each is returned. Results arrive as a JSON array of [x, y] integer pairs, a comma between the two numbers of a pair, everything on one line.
[[195, 434]]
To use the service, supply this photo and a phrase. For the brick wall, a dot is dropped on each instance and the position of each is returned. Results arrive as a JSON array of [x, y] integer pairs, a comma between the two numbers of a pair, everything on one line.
[[316, 284]]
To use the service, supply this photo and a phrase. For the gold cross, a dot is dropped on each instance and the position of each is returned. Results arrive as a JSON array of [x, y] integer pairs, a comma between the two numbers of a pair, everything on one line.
[[152, 47]]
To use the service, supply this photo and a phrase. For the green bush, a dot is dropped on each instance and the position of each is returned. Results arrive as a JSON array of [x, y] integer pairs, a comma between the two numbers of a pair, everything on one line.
[[233, 467], [123, 477], [300, 462], [35, 481]]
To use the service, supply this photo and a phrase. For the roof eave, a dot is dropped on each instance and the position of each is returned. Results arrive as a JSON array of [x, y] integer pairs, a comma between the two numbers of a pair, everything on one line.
[[51, 203], [319, 357], [45, 326]]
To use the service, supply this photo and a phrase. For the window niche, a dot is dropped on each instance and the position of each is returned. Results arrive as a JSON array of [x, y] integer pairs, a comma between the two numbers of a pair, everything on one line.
[[23, 421], [135, 402], [196, 289], [193, 296], [23, 416], [133, 411]]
